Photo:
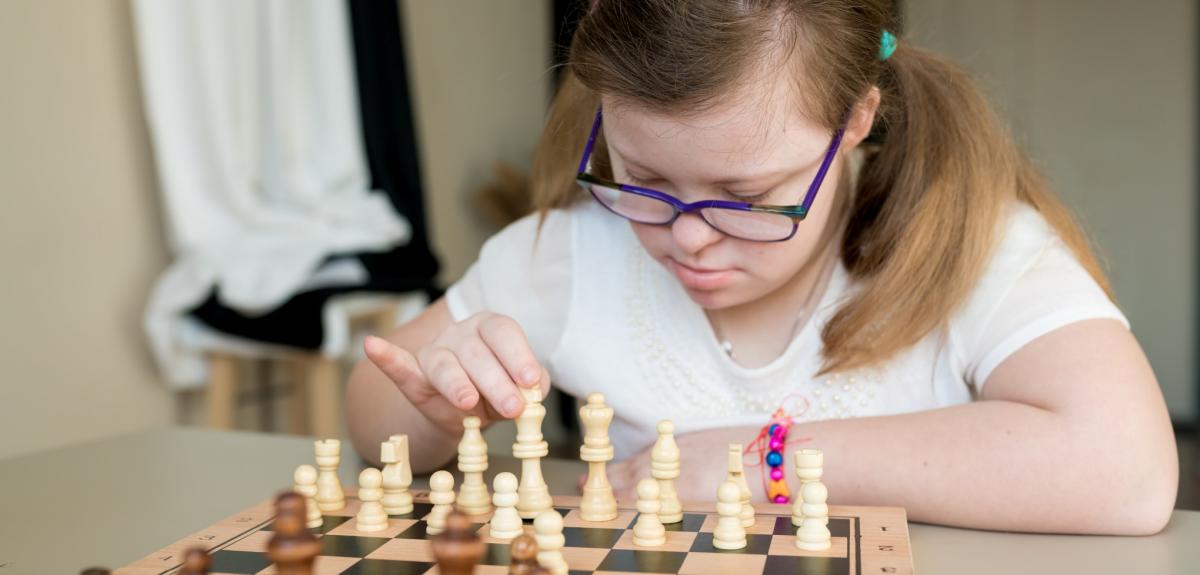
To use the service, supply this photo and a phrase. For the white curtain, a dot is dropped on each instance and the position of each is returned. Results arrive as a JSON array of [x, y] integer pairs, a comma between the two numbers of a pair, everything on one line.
[[253, 112]]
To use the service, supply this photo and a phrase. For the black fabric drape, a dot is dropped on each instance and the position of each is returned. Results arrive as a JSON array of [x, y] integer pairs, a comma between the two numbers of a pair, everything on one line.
[[391, 149]]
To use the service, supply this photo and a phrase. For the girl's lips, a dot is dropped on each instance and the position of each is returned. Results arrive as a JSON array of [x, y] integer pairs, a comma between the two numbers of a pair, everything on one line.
[[700, 279]]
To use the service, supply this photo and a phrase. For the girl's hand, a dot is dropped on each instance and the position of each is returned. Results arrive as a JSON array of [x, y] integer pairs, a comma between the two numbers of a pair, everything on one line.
[[703, 466], [472, 368]]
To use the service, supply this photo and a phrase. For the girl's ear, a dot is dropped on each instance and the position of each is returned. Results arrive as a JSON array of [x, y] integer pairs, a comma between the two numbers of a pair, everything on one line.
[[862, 117]]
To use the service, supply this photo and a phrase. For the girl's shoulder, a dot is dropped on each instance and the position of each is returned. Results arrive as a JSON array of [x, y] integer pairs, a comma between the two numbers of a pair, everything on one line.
[[1031, 285]]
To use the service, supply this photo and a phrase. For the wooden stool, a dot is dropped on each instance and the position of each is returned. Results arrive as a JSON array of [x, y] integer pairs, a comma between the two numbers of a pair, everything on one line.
[[317, 409]]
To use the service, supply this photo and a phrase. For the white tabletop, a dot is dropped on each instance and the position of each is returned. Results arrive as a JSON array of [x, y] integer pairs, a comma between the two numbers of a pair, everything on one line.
[[112, 502]]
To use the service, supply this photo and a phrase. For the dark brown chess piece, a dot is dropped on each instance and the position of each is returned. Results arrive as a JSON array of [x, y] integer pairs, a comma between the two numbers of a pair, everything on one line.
[[196, 562], [293, 549], [95, 571], [522, 555], [457, 548]]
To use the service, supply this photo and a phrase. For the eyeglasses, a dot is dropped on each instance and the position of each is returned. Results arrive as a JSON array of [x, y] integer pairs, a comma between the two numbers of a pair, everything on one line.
[[756, 223]]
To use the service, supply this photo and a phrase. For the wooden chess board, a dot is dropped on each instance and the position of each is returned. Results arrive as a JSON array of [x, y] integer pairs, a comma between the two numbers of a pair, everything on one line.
[[865, 540]]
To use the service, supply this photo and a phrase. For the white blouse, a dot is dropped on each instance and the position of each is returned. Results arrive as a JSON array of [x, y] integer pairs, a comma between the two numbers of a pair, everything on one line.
[[603, 316]]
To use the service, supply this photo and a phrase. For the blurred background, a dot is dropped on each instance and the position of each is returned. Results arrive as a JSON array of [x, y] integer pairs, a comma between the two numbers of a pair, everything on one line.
[[113, 244]]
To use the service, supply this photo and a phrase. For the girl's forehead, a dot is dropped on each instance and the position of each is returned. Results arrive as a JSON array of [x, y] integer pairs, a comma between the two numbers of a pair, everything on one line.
[[752, 135]]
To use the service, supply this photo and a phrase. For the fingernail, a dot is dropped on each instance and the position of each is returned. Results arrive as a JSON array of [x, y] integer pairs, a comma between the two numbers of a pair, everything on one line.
[[529, 375], [465, 398], [513, 405], [371, 345]]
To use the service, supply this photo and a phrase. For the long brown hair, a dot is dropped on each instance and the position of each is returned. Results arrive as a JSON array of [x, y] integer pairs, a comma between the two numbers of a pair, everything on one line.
[[926, 212]]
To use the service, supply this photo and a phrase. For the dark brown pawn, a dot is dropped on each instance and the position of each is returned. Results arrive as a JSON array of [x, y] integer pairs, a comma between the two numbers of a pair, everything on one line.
[[522, 555], [293, 549], [457, 548], [196, 562]]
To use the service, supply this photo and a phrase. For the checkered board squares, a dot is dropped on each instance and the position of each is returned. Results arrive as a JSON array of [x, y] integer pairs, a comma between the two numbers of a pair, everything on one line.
[[864, 540]]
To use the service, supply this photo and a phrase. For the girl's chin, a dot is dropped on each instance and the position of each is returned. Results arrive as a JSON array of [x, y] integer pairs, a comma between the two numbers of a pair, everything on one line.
[[714, 299]]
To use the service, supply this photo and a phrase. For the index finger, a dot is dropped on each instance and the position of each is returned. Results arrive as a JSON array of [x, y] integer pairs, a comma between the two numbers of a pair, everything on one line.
[[508, 343]]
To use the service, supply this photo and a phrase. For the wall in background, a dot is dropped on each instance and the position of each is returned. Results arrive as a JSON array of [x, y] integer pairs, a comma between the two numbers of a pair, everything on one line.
[[1103, 95], [80, 240], [481, 83]]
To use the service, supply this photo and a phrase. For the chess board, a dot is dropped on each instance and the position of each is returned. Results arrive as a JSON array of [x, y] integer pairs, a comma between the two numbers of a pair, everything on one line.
[[865, 540]]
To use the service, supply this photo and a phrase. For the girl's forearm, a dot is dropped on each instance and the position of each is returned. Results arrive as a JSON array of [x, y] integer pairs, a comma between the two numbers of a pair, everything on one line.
[[988, 464]]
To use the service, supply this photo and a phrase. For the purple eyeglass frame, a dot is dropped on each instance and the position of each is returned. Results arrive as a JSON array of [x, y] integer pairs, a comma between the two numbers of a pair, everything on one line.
[[797, 212]]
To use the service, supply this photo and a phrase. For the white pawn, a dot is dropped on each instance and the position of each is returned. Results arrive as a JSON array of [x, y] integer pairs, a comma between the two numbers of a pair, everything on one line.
[[737, 474], [809, 465], [330, 496], [506, 522], [370, 515], [441, 495], [305, 478], [664, 466], [813, 534], [548, 532], [473, 496], [729, 533], [397, 476], [648, 531], [530, 448]]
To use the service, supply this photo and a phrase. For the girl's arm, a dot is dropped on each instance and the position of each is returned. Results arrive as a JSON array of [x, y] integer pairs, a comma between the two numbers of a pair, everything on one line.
[[1071, 435]]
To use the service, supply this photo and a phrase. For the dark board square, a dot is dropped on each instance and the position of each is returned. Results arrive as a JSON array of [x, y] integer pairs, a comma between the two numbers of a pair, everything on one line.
[[690, 524], [631, 561], [419, 510], [791, 565], [387, 567], [591, 537], [838, 526], [495, 554], [330, 522], [239, 562], [755, 544], [350, 546], [418, 531]]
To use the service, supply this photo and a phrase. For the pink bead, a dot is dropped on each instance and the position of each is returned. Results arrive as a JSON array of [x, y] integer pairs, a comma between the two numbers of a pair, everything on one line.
[[776, 473], [781, 499], [780, 431], [776, 443]]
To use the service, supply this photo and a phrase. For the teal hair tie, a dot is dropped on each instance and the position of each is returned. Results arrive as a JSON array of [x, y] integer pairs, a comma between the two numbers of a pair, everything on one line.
[[887, 45]]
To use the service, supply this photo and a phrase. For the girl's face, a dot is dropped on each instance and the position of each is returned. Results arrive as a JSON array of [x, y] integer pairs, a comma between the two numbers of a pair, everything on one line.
[[759, 150]]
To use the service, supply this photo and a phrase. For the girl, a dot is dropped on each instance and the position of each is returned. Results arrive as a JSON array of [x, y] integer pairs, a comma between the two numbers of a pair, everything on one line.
[[715, 241]]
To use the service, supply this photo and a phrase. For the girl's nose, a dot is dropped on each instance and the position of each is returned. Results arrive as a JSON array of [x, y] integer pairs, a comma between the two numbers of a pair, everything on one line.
[[692, 233]]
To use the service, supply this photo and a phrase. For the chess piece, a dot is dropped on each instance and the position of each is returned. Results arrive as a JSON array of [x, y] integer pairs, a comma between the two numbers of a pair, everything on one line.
[[457, 549], [548, 531], [648, 531], [813, 534], [305, 483], [473, 496], [533, 494], [441, 495], [397, 476], [597, 503], [729, 533], [522, 555], [737, 474], [809, 465], [664, 466], [292, 548], [196, 560], [96, 571], [330, 496], [370, 516], [506, 522]]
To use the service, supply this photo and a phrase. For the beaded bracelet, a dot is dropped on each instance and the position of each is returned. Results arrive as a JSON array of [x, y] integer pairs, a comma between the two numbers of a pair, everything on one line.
[[771, 442]]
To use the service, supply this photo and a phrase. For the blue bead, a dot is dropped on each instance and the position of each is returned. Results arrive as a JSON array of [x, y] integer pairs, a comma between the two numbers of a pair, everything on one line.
[[774, 459], [771, 430]]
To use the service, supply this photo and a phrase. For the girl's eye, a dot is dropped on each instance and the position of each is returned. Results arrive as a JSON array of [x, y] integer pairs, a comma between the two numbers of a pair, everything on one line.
[[749, 199]]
